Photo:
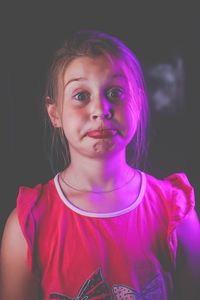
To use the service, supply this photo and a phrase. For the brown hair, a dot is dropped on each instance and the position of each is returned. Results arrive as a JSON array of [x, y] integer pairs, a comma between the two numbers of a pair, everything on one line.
[[93, 43]]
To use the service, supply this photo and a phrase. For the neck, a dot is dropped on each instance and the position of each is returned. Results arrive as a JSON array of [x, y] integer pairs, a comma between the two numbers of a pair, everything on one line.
[[98, 174]]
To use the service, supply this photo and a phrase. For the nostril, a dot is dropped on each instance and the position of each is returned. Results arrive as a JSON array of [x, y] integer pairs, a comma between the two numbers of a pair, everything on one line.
[[108, 115]]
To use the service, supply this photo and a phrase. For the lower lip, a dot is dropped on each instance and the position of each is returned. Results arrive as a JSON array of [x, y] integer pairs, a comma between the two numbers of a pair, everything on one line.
[[102, 134]]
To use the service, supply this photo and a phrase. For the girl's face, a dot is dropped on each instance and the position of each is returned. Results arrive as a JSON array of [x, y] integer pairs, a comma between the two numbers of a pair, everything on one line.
[[97, 113]]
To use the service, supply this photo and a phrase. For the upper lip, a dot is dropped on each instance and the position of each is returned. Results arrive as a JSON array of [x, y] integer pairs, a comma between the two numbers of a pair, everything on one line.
[[102, 129]]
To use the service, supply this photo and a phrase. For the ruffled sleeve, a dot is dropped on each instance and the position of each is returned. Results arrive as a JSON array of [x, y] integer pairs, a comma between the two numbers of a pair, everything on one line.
[[26, 202], [181, 203]]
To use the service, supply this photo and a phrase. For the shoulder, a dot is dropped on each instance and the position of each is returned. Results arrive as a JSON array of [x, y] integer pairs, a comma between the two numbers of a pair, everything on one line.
[[175, 186], [174, 193], [174, 181], [30, 197], [32, 204], [14, 267], [188, 234], [180, 200], [33, 193], [12, 231], [188, 256], [13, 239]]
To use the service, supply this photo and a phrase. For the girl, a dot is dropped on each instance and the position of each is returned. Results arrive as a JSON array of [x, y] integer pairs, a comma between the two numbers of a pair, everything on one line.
[[101, 228]]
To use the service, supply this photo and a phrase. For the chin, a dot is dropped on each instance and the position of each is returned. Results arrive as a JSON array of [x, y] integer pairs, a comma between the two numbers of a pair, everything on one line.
[[104, 147], [103, 151]]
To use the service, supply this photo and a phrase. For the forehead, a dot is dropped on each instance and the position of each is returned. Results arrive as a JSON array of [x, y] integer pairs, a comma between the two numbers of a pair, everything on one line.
[[88, 66]]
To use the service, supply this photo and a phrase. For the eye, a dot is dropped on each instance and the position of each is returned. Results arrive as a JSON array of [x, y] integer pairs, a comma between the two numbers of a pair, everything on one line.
[[81, 96], [115, 94]]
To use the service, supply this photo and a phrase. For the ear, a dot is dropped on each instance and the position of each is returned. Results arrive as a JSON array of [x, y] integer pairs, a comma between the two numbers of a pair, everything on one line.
[[53, 113]]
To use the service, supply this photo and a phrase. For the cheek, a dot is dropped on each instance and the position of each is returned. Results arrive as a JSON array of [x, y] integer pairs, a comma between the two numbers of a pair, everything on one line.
[[73, 121], [130, 118]]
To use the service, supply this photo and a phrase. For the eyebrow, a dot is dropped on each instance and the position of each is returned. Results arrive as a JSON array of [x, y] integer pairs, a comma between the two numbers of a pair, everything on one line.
[[120, 75], [75, 79]]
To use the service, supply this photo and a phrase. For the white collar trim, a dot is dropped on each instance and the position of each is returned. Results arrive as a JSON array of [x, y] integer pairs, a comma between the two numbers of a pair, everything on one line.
[[102, 215]]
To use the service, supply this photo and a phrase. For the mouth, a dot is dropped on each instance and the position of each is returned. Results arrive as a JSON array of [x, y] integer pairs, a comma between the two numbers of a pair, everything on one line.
[[102, 133]]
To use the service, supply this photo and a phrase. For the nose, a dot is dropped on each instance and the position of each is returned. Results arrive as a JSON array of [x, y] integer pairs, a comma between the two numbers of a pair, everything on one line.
[[102, 110]]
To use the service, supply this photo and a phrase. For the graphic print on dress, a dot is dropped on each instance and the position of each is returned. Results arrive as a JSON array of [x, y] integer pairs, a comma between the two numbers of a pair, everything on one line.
[[93, 288], [151, 291]]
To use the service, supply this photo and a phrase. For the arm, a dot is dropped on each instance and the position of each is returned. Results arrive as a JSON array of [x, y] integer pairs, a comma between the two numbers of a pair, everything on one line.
[[187, 280], [16, 281]]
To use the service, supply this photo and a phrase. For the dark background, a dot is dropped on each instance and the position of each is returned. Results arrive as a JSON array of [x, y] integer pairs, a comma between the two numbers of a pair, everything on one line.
[[30, 32]]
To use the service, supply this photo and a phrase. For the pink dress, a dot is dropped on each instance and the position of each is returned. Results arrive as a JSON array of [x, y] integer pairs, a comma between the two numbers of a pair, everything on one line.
[[128, 254]]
